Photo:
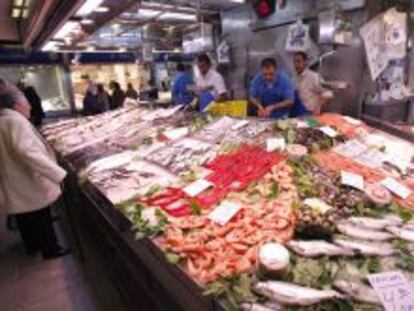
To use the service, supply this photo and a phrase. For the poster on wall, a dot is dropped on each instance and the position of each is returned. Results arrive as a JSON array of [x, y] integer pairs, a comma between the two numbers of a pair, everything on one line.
[[298, 39], [372, 34], [396, 34]]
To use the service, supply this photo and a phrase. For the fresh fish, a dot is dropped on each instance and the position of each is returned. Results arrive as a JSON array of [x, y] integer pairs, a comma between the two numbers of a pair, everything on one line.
[[358, 291], [358, 232], [313, 249], [268, 306], [291, 294], [374, 223], [367, 248], [402, 233]]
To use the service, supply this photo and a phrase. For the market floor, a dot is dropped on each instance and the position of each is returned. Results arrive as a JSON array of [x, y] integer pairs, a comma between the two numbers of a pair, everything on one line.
[[65, 284]]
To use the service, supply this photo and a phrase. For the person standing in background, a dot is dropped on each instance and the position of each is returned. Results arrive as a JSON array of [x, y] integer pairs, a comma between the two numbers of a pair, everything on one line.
[[29, 176], [37, 113], [117, 96], [89, 100], [209, 83], [180, 93], [272, 92], [131, 92], [102, 99], [313, 95]]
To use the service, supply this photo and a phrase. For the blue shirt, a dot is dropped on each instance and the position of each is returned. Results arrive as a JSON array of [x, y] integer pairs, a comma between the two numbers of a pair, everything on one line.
[[180, 93], [269, 93]]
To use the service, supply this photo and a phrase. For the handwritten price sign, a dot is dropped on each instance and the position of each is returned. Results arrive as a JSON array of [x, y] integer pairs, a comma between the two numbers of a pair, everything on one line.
[[393, 290]]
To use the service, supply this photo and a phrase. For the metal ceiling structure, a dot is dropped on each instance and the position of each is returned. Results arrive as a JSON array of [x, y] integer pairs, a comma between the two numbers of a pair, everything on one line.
[[125, 25]]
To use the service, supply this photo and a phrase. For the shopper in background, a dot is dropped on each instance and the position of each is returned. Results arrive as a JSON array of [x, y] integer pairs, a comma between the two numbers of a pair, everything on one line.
[[308, 82], [29, 176], [102, 99], [272, 92], [37, 113], [89, 100], [117, 96], [181, 94], [131, 92], [209, 83]]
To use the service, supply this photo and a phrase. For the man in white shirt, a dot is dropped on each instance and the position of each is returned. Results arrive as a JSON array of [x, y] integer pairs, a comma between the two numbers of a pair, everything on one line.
[[308, 83], [209, 79]]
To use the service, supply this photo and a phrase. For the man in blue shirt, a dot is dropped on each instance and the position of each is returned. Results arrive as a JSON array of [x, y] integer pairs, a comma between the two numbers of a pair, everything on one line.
[[272, 92], [180, 93]]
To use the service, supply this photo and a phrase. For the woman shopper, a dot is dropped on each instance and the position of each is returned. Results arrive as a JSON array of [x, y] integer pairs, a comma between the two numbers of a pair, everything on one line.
[[29, 176]]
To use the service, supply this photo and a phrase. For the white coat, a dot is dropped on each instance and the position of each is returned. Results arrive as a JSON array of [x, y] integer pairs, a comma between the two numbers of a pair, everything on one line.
[[29, 175]]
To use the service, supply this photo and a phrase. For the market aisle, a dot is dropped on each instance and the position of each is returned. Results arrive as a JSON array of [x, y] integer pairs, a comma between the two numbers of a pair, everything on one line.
[[31, 284]]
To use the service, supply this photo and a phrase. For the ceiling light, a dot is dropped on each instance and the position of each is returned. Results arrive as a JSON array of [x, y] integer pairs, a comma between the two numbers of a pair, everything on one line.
[[16, 13], [67, 28], [238, 1], [122, 49], [88, 7], [102, 9], [87, 21], [25, 13], [50, 46], [90, 48], [147, 13], [115, 26], [18, 3]]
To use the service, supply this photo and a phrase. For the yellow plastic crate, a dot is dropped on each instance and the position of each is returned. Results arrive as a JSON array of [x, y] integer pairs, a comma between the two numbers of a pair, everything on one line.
[[234, 108]]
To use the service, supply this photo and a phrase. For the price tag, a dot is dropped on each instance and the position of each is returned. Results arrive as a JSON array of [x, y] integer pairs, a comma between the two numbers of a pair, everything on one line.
[[176, 133], [329, 131], [224, 212], [301, 124], [393, 290], [396, 187], [317, 204], [197, 187], [352, 121], [273, 144], [239, 124], [352, 180]]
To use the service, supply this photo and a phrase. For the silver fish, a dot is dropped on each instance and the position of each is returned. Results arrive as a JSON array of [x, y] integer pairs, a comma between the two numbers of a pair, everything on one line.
[[291, 294], [314, 249], [357, 291], [402, 233], [268, 306], [351, 230], [374, 223], [367, 248]]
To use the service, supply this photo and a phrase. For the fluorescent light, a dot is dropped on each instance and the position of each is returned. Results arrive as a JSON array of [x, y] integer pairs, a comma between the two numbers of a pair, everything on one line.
[[238, 1], [25, 13], [50, 46], [87, 21], [88, 7], [66, 29], [18, 3], [147, 13], [116, 26], [102, 9], [90, 48]]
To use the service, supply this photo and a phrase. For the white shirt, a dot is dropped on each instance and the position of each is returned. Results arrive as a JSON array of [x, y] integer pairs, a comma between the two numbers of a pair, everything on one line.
[[310, 89], [212, 80]]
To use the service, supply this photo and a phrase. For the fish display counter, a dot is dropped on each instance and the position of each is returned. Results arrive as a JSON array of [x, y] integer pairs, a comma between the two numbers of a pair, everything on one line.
[[191, 212]]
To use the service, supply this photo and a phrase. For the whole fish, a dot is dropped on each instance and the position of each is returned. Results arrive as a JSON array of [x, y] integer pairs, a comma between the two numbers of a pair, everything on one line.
[[319, 248], [358, 232], [367, 248], [358, 291], [374, 223], [268, 306], [291, 294], [402, 233]]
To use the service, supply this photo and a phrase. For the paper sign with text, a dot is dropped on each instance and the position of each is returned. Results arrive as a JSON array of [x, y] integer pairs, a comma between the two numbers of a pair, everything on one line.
[[197, 187], [393, 290], [329, 131], [352, 180], [273, 144], [224, 212], [176, 133], [396, 187]]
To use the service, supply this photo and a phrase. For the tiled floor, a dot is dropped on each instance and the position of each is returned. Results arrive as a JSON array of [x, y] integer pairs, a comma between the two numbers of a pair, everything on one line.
[[66, 284]]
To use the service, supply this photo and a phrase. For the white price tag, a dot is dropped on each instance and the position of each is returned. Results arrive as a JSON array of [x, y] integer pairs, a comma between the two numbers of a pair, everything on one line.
[[317, 204], [329, 131], [197, 187], [224, 212], [352, 120], [393, 290], [239, 124], [352, 180], [301, 124], [273, 144], [396, 187], [176, 133]]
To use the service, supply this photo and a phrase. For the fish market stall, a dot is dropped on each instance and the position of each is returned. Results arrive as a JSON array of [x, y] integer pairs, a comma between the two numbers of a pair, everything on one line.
[[196, 213]]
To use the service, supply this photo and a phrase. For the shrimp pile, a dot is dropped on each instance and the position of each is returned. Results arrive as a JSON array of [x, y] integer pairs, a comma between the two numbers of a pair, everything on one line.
[[211, 251]]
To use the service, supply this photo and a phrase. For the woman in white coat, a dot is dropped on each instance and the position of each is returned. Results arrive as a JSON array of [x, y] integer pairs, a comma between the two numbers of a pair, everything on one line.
[[29, 176]]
